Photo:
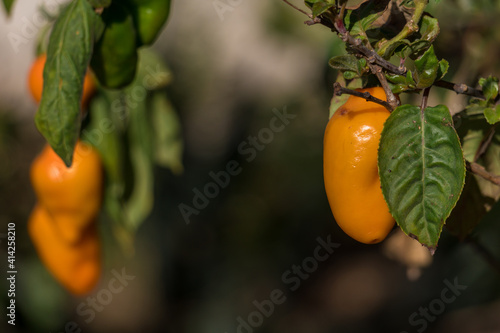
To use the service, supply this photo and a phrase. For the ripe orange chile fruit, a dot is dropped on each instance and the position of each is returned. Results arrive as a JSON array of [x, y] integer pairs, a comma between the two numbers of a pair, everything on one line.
[[76, 266], [351, 171], [72, 196], [35, 81]]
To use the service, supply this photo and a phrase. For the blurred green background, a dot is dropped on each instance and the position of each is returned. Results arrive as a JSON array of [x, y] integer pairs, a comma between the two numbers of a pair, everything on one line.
[[231, 70]]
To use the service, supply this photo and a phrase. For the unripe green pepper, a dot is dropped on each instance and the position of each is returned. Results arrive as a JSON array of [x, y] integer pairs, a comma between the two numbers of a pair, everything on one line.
[[114, 60], [149, 18]]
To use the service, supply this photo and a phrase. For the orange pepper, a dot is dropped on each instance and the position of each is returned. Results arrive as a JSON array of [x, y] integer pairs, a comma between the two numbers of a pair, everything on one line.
[[350, 168], [76, 266], [72, 196]]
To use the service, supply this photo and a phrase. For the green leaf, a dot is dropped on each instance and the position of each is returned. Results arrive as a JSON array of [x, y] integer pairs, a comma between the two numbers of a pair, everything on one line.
[[411, 50], [422, 170], [442, 69], [490, 87], [321, 7], [492, 115], [167, 134], [475, 109], [402, 47], [351, 66], [400, 83], [397, 83], [364, 24], [346, 62], [362, 66], [311, 3], [362, 18], [100, 3], [8, 5], [410, 81], [429, 28], [68, 55], [348, 75], [398, 88], [395, 78], [427, 67]]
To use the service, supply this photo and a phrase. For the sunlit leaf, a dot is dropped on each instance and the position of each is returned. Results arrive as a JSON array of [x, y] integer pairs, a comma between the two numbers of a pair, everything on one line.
[[422, 170], [492, 114], [429, 28], [427, 67], [490, 87], [442, 69]]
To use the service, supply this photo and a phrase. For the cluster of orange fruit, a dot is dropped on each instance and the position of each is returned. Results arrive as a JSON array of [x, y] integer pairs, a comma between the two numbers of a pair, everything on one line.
[[62, 225]]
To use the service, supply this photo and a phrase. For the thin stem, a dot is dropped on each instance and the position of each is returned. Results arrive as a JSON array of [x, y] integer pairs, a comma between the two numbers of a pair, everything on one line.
[[460, 88], [374, 58], [485, 143], [339, 21], [425, 98], [484, 252], [479, 170], [338, 90], [297, 8], [391, 99]]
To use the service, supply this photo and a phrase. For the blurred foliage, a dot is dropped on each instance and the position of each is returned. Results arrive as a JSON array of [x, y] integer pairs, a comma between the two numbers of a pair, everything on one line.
[[135, 129]]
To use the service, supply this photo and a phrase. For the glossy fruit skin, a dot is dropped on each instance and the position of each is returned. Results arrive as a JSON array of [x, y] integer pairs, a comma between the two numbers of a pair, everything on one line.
[[114, 60], [72, 196], [35, 81], [76, 266], [350, 168], [149, 18]]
